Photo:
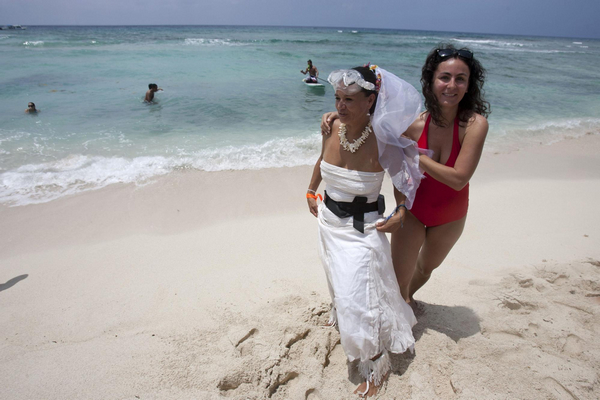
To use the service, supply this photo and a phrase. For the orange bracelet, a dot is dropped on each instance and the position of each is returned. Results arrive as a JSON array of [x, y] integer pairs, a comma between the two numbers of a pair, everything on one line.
[[312, 196]]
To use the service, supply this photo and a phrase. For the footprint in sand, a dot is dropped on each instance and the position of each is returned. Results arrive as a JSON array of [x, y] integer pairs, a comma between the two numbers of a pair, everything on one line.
[[533, 328], [572, 344], [552, 277], [241, 339], [558, 390], [595, 263], [514, 303], [504, 336]]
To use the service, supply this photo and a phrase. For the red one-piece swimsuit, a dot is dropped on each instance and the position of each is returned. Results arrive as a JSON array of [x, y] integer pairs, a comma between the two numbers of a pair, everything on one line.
[[437, 203]]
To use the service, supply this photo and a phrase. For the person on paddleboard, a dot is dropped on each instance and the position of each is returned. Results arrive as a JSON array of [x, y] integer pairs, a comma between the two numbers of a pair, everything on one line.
[[312, 71]]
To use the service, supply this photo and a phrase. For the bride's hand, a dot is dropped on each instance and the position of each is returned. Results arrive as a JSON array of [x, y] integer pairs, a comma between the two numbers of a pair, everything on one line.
[[327, 122], [313, 207]]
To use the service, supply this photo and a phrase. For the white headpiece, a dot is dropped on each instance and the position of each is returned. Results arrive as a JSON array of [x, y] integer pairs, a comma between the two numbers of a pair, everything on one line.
[[349, 80], [398, 105]]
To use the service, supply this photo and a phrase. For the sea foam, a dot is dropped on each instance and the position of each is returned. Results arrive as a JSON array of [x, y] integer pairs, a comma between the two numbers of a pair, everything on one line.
[[40, 183], [34, 43], [211, 42]]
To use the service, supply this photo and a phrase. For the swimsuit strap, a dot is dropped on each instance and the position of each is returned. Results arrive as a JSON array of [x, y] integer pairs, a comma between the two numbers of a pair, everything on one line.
[[423, 142], [455, 144]]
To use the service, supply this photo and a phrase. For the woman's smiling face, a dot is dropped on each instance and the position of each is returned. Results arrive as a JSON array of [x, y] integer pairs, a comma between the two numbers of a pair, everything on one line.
[[451, 82]]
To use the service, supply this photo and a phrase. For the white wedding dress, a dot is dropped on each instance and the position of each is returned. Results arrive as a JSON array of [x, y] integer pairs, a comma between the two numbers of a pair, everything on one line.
[[372, 317]]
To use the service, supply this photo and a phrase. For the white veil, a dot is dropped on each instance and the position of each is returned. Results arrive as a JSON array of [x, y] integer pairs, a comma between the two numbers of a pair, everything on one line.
[[398, 105]]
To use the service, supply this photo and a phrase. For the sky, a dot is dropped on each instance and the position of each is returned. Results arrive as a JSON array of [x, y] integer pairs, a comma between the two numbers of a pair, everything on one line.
[[568, 18]]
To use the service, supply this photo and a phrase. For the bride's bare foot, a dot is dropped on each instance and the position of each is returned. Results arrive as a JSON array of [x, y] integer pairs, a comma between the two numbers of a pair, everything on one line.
[[332, 320], [369, 389]]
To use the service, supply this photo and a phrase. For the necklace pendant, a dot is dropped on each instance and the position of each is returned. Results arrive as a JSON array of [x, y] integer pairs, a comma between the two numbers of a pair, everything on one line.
[[353, 147]]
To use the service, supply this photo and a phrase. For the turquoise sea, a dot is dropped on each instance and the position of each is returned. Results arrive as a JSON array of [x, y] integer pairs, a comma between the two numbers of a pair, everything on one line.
[[233, 97]]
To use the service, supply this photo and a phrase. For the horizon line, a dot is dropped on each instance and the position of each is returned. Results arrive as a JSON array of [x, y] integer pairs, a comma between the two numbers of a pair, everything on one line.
[[305, 26]]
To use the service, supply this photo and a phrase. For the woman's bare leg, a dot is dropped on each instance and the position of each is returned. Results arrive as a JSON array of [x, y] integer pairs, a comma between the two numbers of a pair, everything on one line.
[[406, 243], [439, 240]]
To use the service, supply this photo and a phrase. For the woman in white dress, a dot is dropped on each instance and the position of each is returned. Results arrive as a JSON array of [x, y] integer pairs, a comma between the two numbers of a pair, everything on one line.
[[374, 108]]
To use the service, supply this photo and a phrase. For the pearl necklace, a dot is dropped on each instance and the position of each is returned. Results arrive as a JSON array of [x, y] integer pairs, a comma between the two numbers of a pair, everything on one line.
[[352, 147]]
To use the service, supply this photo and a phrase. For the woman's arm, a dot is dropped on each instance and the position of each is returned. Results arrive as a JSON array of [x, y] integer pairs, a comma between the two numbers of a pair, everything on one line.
[[458, 176], [315, 181]]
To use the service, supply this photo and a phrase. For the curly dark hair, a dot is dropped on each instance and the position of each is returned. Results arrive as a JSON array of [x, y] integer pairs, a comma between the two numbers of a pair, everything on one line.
[[472, 102], [368, 76]]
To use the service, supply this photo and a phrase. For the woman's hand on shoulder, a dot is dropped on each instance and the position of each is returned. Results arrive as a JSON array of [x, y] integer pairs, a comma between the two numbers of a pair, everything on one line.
[[327, 122]]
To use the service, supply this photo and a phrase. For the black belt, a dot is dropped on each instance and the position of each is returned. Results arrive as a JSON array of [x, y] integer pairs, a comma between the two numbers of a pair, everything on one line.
[[356, 209]]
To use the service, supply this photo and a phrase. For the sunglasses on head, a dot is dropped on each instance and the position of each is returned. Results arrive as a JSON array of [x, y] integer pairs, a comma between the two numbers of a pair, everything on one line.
[[445, 53]]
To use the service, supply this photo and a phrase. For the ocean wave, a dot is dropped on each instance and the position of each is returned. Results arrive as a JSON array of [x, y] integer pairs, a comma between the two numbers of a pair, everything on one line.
[[238, 42], [579, 126], [212, 42], [299, 41], [489, 42], [544, 133], [34, 43], [40, 183], [516, 47]]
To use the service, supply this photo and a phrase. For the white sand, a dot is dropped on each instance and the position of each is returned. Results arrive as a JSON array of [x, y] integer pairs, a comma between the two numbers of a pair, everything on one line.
[[208, 285]]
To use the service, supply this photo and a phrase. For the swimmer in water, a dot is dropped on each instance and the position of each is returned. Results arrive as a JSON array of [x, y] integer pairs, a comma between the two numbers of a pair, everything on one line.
[[31, 109], [152, 88]]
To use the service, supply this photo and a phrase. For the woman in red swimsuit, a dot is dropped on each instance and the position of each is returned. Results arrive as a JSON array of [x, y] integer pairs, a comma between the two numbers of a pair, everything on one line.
[[454, 127]]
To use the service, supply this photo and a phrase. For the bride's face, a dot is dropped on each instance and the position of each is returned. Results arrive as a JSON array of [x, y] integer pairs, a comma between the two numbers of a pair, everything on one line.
[[353, 107]]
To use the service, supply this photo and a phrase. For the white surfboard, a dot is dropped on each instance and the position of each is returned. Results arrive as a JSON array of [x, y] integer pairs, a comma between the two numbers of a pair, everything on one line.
[[315, 85]]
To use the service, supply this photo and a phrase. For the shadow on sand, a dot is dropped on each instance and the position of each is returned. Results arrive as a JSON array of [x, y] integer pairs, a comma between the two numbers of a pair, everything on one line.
[[11, 282], [456, 322]]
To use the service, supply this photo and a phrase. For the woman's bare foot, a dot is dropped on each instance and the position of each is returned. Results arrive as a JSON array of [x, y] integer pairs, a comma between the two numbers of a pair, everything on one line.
[[370, 389], [417, 307], [332, 319]]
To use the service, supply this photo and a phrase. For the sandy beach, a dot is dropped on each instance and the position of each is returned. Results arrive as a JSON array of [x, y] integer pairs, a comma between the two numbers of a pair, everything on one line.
[[208, 285]]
